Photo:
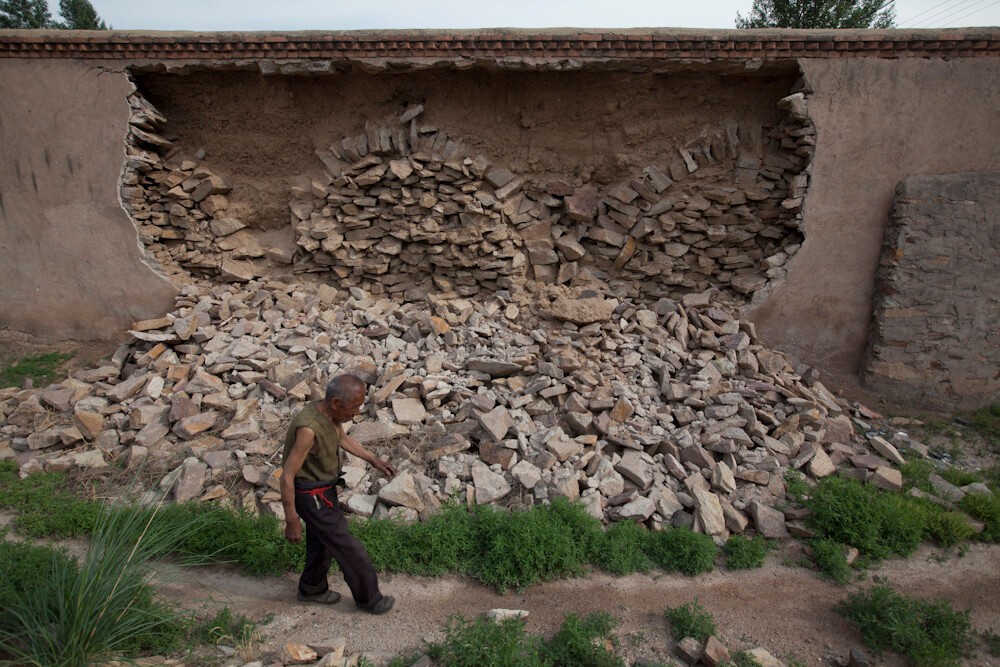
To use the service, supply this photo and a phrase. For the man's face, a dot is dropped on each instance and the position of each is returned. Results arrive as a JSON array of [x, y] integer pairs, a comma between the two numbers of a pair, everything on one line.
[[346, 411]]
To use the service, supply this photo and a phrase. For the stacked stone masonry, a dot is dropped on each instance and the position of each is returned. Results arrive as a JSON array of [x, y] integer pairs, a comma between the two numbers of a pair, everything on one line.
[[403, 209], [935, 340]]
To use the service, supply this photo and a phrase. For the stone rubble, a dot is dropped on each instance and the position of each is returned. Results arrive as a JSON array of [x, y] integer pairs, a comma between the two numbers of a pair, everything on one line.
[[670, 414]]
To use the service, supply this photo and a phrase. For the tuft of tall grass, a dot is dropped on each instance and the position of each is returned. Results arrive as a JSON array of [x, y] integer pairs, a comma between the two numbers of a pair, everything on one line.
[[683, 550], [621, 549], [75, 616], [830, 559], [932, 634]]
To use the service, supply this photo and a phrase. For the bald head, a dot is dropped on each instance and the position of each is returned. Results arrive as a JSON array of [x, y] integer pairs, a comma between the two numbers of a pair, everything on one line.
[[345, 388]]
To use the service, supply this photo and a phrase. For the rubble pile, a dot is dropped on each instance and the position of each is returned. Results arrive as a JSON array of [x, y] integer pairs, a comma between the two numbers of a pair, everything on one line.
[[406, 210], [671, 414]]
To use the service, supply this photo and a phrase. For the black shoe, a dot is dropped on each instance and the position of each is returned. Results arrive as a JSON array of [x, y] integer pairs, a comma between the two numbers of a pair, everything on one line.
[[326, 597], [380, 607]]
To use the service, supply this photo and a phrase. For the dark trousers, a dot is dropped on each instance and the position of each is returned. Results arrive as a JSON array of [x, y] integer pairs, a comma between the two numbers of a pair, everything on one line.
[[327, 538]]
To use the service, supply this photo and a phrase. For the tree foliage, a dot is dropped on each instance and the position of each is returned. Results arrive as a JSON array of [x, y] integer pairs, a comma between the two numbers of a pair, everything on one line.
[[819, 14], [80, 15], [26, 14], [34, 14]]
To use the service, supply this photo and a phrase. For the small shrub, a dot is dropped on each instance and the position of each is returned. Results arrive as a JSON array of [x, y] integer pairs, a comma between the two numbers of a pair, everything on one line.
[[986, 422], [621, 549], [878, 523], [986, 509], [745, 554], [682, 550], [580, 643], [691, 620], [932, 634], [829, 558]]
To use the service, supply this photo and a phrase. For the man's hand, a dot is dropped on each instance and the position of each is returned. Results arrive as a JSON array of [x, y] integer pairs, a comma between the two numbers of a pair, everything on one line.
[[293, 530], [383, 466]]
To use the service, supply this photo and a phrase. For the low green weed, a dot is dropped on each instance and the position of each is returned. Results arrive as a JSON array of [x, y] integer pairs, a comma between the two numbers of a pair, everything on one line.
[[986, 422], [796, 485], [43, 369], [829, 558], [581, 642], [743, 553], [960, 477], [932, 634], [948, 529], [691, 620]]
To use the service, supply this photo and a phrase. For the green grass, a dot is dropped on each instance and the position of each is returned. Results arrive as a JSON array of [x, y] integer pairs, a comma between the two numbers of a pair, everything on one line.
[[743, 553], [43, 369], [916, 474], [580, 642], [932, 634], [503, 549], [690, 620]]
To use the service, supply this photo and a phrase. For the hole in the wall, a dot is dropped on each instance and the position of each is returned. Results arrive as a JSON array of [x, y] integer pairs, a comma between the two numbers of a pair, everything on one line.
[[697, 179]]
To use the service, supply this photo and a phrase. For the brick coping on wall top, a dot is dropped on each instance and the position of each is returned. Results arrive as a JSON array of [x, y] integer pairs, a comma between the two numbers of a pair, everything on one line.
[[656, 44]]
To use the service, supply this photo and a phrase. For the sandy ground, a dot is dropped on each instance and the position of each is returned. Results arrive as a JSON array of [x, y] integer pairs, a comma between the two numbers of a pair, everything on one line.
[[785, 609]]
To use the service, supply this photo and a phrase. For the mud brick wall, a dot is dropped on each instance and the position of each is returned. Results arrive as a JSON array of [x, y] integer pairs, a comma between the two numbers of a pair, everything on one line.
[[936, 329]]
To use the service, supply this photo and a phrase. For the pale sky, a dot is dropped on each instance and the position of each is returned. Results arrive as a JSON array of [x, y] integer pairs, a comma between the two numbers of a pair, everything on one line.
[[283, 15]]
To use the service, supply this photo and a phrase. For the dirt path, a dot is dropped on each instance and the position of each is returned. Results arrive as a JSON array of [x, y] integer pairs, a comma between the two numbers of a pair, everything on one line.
[[785, 609]]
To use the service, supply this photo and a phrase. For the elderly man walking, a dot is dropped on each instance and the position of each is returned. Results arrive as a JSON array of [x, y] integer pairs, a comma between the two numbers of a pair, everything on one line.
[[311, 464]]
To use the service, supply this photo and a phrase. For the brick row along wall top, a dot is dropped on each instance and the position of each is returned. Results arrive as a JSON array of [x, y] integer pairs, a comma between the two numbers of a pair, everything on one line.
[[698, 45]]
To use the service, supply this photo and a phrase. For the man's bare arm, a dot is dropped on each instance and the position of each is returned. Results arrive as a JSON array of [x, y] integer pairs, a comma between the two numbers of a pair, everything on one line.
[[304, 441], [354, 447]]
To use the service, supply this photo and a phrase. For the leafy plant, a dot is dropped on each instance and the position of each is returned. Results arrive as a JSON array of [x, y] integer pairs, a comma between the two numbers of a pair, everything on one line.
[[41, 368], [691, 620], [932, 634], [743, 553]]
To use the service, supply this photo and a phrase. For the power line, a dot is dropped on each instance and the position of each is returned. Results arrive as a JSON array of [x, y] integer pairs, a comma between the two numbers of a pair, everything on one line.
[[913, 18], [947, 11], [944, 16], [960, 18]]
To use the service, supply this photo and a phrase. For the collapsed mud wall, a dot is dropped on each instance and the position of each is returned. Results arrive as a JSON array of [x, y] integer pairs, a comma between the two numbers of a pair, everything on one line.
[[658, 186], [885, 105]]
